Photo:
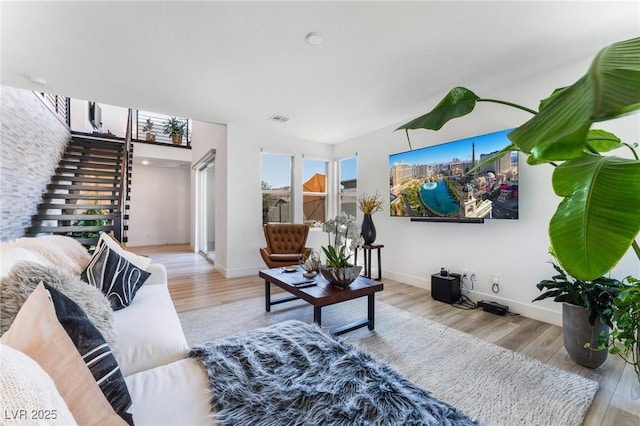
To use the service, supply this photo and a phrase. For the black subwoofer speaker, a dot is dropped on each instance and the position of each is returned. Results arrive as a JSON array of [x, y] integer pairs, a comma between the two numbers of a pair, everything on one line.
[[445, 289]]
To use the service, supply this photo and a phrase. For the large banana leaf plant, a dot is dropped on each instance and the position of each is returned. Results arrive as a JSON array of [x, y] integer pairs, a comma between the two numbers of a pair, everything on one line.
[[599, 218]]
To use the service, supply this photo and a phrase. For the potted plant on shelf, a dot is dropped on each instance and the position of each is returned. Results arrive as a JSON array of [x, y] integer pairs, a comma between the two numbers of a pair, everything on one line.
[[176, 128], [587, 311], [346, 238], [369, 204], [148, 128]]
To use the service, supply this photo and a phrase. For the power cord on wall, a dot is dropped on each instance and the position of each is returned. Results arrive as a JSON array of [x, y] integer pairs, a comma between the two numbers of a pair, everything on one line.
[[464, 302]]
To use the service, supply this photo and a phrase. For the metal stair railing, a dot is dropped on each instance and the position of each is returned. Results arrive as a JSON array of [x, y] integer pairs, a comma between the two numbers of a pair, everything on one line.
[[118, 221]]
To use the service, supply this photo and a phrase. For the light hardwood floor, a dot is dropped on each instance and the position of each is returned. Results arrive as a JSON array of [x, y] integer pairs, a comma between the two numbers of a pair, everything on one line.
[[194, 284]]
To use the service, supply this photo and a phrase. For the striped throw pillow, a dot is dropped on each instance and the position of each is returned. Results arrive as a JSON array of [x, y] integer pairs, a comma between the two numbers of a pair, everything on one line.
[[94, 351]]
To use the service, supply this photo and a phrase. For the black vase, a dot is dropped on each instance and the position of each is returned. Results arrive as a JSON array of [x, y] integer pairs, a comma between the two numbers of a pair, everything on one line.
[[368, 231]]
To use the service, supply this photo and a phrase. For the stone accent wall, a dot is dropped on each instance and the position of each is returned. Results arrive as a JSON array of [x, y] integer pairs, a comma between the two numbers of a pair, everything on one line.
[[32, 141]]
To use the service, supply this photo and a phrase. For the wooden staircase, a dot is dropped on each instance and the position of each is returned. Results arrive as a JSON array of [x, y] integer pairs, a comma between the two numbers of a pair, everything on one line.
[[85, 193]]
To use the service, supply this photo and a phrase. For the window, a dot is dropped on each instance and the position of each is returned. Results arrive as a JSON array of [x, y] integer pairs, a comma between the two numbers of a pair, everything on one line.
[[276, 188], [348, 193], [314, 191]]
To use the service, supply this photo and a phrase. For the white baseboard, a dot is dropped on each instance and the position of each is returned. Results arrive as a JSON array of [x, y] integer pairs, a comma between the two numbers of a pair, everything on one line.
[[524, 309], [240, 272]]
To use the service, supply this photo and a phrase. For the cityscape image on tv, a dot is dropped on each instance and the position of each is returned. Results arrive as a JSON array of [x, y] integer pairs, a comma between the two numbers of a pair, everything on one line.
[[438, 181]]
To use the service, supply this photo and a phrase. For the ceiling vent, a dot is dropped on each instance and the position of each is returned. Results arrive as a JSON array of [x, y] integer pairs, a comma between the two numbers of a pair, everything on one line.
[[279, 118]]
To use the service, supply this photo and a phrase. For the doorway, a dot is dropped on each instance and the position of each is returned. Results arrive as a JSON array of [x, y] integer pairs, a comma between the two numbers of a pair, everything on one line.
[[205, 208]]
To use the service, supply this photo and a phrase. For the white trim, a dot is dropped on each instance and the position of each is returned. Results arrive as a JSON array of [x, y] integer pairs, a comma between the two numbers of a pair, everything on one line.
[[524, 309]]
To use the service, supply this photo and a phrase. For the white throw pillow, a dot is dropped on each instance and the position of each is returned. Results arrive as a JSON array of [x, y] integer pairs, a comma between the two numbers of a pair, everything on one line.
[[172, 394], [28, 394], [149, 331], [141, 262]]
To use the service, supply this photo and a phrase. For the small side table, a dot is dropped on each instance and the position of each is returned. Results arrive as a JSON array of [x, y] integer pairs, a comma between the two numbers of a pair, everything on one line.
[[368, 248]]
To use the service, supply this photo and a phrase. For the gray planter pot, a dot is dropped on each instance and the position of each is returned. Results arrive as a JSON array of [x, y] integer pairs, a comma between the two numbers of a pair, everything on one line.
[[577, 331]]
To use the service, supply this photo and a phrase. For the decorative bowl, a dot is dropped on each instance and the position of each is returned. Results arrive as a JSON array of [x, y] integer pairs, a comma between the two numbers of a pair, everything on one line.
[[340, 277]]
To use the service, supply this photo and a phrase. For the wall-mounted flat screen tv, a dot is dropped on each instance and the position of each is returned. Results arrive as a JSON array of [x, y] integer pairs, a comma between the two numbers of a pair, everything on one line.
[[438, 181]]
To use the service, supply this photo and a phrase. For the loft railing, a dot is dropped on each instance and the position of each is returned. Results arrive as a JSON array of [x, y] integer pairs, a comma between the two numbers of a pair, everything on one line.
[[59, 105], [159, 136]]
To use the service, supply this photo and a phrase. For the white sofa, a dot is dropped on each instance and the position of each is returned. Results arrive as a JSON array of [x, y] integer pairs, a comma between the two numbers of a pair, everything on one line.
[[165, 387]]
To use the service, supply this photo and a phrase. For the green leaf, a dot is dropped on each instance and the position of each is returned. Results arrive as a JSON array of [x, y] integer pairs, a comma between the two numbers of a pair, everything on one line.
[[603, 141], [558, 132], [610, 89], [547, 101], [458, 102], [615, 76], [598, 219]]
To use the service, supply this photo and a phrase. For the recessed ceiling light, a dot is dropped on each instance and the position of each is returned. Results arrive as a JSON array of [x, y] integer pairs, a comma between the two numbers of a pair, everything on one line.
[[38, 81], [145, 162], [314, 39]]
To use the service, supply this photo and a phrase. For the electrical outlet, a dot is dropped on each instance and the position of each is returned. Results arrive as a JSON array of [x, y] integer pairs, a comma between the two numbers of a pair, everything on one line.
[[495, 287], [473, 276]]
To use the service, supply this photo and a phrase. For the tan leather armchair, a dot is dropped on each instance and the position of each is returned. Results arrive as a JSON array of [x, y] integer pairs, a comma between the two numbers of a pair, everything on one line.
[[285, 244]]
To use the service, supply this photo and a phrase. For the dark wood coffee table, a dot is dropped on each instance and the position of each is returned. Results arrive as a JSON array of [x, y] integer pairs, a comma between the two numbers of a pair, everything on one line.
[[321, 294]]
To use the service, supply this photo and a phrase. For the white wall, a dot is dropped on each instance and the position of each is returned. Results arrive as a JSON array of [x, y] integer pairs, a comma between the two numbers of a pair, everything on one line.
[[114, 118], [80, 116], [160, 200], [153, 205], [516, 251], [244, 226], [207, 136]]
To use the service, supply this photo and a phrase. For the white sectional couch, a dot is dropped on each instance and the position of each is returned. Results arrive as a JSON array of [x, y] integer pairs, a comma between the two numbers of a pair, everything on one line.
[[166, 388]]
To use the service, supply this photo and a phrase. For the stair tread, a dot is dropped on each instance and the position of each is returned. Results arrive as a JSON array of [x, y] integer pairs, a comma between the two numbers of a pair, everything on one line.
[[89, 165], [87, 241], [69, 206], [50, 195], [107, 216], [85, 179], [94, 150], [98, 188], [62, 170], [92, 158], [87, 141], [65, 229]]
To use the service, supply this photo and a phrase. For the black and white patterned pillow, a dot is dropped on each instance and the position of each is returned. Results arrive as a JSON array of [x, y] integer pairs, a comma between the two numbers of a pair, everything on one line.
[[94, 351], [115, 276]]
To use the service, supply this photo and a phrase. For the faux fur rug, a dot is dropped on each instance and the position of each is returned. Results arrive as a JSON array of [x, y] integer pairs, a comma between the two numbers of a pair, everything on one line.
[[293, 373], [497, 386]]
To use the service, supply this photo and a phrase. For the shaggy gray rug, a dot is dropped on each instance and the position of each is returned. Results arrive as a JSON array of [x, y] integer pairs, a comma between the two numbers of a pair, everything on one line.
[[487, 382], [293, 373]]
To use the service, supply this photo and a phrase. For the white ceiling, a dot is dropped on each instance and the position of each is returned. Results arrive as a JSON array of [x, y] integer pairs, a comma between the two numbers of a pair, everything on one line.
[[241, 62]]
